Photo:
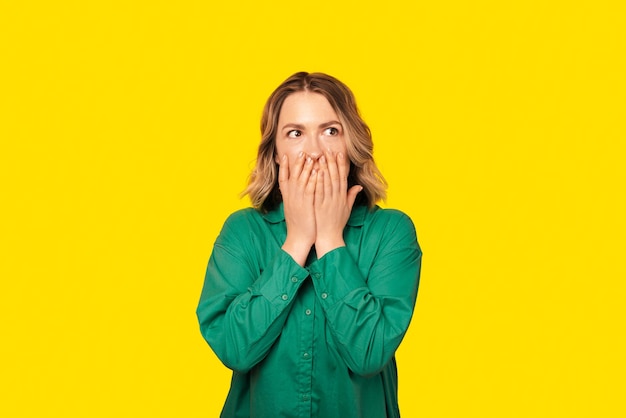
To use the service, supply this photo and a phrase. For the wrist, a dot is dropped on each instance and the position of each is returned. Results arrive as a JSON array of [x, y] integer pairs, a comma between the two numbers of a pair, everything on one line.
[[298, 250], [324, 246]]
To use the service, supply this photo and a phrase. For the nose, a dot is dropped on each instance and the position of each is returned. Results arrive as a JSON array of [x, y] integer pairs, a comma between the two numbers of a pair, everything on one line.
[[313, 148]]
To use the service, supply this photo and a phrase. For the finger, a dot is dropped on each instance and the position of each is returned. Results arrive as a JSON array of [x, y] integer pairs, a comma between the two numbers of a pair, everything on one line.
[[306, 172], [283, 169], [309, 190], [333, 171], [327, 186], [319, 186], [352, 194], [298, 165], [343, 164]]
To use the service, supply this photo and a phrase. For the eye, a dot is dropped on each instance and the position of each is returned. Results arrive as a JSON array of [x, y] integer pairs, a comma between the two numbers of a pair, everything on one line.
[[294, 133], [331, 131]]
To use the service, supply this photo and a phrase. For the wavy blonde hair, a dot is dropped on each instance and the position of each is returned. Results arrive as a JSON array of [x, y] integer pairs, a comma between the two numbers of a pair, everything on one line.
[[263, 182]]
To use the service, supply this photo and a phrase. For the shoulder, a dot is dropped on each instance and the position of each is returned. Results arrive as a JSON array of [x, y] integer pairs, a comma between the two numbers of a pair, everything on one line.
[[242, 219], [390, 228], [237, 227], [388, 218]]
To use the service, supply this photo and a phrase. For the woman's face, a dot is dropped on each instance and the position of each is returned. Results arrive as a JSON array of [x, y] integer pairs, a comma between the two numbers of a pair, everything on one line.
[[307, 123]]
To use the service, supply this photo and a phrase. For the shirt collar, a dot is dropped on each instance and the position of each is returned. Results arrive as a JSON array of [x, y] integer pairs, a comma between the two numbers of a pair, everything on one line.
[[357, 217]]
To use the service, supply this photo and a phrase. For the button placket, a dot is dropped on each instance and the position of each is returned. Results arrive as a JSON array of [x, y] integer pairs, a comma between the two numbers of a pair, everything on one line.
[[306, 345]]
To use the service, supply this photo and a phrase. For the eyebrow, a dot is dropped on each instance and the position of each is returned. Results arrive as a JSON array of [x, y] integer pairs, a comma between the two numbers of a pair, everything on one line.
[[301, 127]]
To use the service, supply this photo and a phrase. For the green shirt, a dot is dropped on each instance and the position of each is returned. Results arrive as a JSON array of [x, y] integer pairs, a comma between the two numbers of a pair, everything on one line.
[[313, 341]]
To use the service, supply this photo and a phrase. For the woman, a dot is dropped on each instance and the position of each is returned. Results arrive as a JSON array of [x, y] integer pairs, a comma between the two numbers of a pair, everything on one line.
[[308, 294]]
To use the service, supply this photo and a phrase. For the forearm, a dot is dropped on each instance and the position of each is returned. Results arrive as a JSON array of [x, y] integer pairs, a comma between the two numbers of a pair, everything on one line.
[[241, 317], [367, 319]]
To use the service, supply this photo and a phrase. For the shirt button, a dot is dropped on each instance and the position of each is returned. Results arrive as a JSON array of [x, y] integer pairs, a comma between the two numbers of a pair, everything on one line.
[[285, 297], [294, 279], [316, 275], [308, 312], [324, 295], [306, 355], [305, 397]]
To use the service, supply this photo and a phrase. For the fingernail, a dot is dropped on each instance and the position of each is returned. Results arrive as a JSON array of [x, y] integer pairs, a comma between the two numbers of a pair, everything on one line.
[[284, 157], [309, 160], [340, 155], [322, 159], [300, 154], [313, 172]]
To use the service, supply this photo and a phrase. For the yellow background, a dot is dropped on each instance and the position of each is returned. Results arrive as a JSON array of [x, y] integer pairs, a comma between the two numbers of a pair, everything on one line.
[[128, 129]]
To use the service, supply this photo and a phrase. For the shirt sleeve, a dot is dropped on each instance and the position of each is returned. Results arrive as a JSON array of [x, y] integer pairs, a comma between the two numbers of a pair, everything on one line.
[[368, 314], [242, 311]]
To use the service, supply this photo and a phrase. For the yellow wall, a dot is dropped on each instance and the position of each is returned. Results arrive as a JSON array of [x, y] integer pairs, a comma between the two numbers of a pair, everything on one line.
[[128, 129]]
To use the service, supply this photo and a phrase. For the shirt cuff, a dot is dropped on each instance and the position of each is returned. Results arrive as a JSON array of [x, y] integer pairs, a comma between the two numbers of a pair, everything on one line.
[[335, 276], [280, 280]]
